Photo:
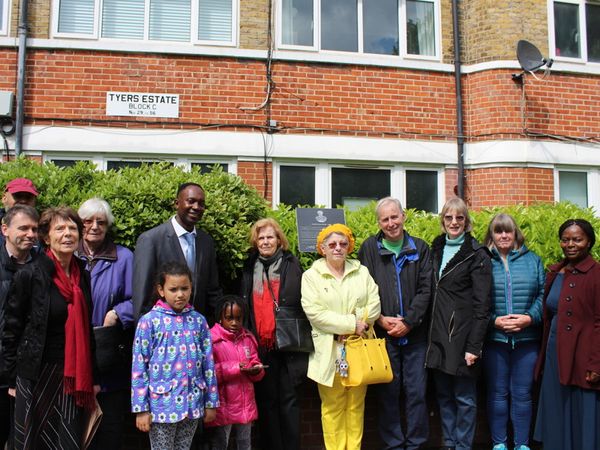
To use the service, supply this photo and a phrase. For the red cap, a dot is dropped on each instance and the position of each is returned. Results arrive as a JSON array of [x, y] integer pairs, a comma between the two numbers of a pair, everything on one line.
[[21, 185]]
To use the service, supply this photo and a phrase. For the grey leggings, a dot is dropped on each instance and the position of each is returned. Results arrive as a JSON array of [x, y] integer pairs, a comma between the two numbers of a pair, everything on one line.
[[243, 436], [173, 436]]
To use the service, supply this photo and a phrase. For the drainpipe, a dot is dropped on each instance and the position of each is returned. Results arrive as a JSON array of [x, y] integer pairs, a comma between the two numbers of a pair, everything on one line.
[[460, 141], [22, 33]]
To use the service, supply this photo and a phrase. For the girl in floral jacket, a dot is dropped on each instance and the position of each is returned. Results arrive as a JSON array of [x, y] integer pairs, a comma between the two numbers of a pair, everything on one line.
[[238, 367], [173, 382]]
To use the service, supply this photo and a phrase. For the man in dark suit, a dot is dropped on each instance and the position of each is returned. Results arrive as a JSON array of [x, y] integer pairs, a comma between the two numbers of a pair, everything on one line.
[[178, 240]]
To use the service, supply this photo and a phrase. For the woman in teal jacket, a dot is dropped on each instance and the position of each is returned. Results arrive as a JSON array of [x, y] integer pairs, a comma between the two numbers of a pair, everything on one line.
[[514, 335]]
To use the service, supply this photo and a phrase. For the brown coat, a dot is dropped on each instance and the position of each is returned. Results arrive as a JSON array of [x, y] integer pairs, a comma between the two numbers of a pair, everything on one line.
[[578, 332]]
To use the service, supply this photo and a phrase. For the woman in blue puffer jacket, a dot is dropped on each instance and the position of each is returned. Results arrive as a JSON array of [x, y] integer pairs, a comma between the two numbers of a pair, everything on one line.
[[514, 335]]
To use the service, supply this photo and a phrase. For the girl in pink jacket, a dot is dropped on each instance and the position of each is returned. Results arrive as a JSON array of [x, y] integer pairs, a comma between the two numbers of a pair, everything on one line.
[[237, 366]]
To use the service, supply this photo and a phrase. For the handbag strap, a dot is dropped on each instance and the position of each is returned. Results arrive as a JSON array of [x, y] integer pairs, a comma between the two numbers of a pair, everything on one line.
[[275, 300]]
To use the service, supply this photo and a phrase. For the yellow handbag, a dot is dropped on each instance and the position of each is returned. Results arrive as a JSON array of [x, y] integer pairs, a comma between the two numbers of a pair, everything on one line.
[[367, 359]]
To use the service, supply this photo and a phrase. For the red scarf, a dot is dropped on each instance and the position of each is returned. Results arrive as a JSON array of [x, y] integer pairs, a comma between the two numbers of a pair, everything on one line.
[[78, 379]]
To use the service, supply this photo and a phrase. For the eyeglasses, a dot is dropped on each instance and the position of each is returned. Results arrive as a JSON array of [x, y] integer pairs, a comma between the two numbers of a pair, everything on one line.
[[333, 245], [448, 218], [90, 222]]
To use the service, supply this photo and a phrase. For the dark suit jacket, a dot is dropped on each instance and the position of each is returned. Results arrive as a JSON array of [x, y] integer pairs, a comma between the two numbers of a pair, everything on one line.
[[160, 245]]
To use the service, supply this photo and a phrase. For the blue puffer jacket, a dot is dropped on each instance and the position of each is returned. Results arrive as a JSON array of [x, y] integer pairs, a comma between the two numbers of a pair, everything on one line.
[[518, 289]]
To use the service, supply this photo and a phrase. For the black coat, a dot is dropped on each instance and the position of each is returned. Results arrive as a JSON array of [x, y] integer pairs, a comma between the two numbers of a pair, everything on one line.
[[7, 272], [415, 280], [461, 307], [289, 295], [27, 314]]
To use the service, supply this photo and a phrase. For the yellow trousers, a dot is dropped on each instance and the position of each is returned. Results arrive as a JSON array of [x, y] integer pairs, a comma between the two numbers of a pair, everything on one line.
[[342, 415]]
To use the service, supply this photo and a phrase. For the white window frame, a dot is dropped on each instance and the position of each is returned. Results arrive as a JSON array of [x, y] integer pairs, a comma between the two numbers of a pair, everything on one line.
[[95, 35], [5, 17], [592, 180], [582, 30], [323, 179], [403, 51], [231, 163]]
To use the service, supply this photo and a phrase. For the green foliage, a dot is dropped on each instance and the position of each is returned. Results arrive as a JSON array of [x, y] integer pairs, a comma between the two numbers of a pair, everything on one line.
[[142, 198], [539, 223]]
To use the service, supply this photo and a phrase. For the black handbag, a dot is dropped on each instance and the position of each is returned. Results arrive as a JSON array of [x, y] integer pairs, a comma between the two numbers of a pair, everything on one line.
[[292, 330], [113, 348]]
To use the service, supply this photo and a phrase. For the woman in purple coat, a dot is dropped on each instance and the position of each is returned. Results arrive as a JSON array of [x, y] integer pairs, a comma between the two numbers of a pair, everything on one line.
[[111, 270]]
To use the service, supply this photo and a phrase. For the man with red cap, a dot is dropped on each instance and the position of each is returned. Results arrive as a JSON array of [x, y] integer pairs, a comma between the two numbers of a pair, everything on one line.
[[20, 191]]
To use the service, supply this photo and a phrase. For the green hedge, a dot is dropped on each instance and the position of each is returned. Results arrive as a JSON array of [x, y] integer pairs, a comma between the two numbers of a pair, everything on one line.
[[142, 198], [539, 224]]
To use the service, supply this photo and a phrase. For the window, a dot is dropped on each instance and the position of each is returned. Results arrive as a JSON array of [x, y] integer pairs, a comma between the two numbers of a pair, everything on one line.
[[198, 21], [421, 190], [208, 167], [357, 187], [577, 29], [64, 162], [117, 165], [386, 27], [4, 16], [327, 185], [297, 185], [573, 187]]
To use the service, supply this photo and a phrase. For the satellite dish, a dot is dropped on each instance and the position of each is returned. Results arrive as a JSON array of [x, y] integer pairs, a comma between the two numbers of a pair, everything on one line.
[[529, 56], [530, 59]]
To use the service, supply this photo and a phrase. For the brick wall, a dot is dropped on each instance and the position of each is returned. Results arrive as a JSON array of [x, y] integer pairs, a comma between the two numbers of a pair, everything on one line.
[[562, 104], [254, 20], [490, 29], [255, 174], [501, 186]]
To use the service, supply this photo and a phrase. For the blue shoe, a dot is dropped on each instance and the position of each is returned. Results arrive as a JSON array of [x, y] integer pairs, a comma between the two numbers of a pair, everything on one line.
[[499, 447], [522, 447]]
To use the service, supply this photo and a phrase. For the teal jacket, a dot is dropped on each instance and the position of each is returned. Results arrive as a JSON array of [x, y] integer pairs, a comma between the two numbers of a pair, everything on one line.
[[517, 289]]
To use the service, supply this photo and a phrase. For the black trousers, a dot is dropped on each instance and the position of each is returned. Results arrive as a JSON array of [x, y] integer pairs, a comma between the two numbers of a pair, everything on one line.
[[115, 408], [6, 416], [278, 406]]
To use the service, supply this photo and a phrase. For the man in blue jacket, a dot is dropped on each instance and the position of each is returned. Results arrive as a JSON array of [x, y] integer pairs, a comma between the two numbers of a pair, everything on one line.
[[401, 267], [19, 229]]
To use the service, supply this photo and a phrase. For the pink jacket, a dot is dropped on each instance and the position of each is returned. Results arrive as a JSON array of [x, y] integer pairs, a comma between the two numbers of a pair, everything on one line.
[[236, 391]]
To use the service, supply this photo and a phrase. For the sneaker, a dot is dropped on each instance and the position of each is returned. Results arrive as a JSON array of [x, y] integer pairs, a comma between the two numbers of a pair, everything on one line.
[[522, 447], [499, 447]]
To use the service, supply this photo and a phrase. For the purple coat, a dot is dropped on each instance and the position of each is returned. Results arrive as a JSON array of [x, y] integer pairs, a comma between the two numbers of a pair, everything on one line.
[[112, 285], [236, 389]]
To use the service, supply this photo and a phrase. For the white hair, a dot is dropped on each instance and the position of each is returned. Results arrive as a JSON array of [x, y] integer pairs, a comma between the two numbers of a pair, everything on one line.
[[384, 201], [96, 206]]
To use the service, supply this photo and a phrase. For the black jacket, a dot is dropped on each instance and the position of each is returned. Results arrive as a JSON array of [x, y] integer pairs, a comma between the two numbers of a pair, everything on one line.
[[27, 312], [7, 271], [289, 295], [415, 280], [460, 308]]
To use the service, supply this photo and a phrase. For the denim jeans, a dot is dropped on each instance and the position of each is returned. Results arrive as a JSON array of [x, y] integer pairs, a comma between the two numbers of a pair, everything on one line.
[[457, 398], [509, 379], [410, 380]]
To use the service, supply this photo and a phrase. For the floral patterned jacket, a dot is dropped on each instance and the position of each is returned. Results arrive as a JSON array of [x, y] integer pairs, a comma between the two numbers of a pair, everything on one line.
[[173, 371]]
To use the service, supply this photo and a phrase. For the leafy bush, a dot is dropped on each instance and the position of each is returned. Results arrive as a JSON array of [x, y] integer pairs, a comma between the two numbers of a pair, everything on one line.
[[539, 223], [142, 198]]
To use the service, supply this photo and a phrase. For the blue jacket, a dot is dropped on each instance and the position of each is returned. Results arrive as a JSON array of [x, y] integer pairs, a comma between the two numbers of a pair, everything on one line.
[[173, 370], [112, 277], [518, 289]]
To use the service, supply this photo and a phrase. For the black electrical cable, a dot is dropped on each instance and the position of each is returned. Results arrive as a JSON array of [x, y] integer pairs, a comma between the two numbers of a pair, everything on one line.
[[7, 128]]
